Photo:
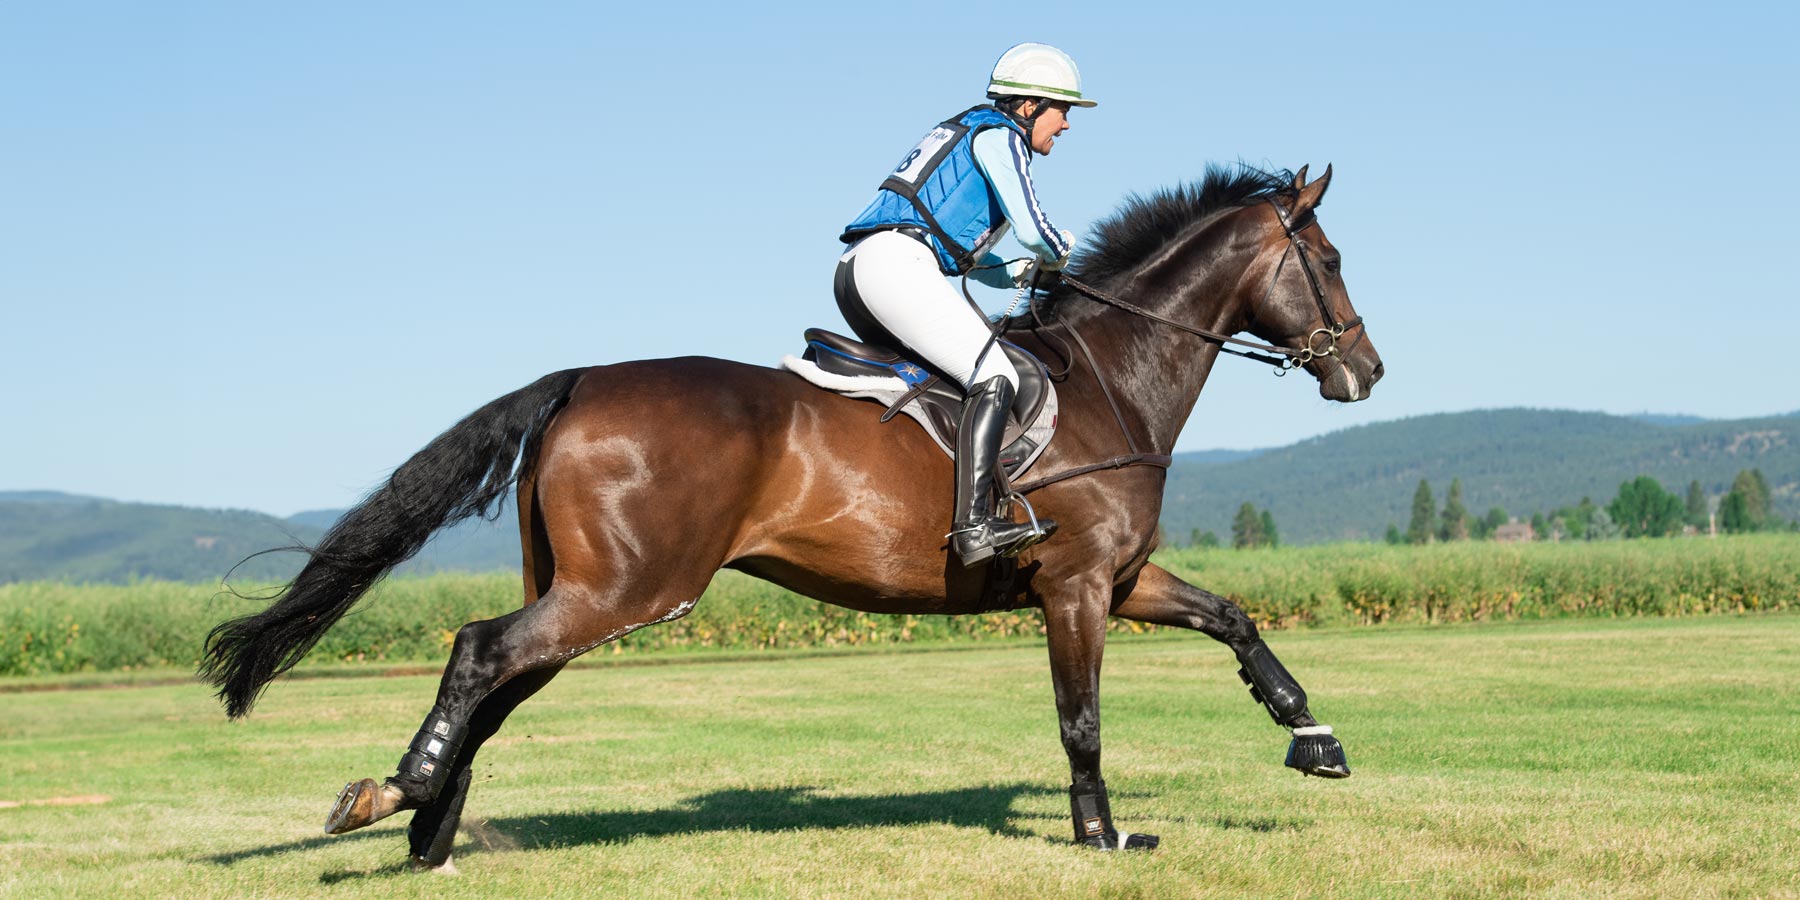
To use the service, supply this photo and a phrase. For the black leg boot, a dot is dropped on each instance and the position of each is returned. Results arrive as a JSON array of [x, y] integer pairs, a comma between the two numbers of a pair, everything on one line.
[[1094, 825], [1313, 751], [979, 534]]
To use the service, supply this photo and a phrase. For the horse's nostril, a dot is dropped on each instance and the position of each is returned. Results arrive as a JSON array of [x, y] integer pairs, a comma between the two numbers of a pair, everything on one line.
[[1376, 374]]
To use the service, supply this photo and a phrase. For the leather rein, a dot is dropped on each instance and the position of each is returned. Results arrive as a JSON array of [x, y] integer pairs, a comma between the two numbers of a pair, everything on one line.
[[1320, 342]]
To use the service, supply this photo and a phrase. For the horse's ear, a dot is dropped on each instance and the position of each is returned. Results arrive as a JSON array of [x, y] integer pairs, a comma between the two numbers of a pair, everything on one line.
[[1300, 178], [1311, 194]]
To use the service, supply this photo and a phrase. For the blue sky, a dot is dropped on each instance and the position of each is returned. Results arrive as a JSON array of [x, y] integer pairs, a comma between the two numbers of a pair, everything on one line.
[[255, 255]]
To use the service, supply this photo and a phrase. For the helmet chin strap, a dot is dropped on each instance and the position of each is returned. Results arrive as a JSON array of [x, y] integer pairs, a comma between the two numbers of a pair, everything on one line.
[[1028, 122]]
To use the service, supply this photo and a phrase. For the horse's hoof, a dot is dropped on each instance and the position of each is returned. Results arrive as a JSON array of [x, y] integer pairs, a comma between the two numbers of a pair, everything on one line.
[[1316, 752], [447, 867], [362, 803], [1121, 841]]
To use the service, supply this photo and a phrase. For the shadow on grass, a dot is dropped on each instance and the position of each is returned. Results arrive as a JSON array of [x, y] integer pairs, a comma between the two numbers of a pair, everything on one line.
[[775, 809], [989, 808]]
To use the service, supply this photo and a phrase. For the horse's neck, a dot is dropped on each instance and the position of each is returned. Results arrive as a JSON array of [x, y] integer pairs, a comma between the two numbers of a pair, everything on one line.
[[1156, 372]]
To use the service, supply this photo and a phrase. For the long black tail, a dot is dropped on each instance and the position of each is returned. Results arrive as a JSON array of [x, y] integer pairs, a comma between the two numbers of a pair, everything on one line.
[[462, 472]]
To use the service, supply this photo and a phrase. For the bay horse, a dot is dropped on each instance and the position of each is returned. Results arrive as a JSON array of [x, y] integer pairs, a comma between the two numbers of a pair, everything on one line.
[[637, 481]]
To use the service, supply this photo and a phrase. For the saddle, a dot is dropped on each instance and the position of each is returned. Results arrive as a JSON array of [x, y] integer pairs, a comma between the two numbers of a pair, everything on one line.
[[866, 371]]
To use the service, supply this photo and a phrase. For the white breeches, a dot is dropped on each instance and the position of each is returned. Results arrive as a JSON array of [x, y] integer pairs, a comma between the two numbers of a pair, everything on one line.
[[897, 281]]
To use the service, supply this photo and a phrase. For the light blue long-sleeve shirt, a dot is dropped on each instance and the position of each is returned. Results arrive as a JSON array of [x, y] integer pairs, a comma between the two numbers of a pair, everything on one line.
[[1006, 162]]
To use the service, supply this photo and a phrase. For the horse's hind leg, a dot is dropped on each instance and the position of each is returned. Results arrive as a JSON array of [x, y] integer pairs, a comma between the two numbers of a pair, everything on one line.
[[568, 621], [1160, 598], [433, 828]]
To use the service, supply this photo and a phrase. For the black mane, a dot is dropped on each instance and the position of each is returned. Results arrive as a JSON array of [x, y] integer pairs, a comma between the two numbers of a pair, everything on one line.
[[1144, 225]]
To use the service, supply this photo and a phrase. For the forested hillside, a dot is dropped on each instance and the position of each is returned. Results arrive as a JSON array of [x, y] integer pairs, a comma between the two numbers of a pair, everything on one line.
[[1349, 485], [51, 535]]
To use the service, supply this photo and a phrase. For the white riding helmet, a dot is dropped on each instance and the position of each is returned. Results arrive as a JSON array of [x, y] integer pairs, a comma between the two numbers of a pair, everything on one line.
[[1037, 70]]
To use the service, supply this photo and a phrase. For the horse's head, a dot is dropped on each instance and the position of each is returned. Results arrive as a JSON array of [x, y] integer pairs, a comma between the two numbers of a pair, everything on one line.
[[1298, 299]]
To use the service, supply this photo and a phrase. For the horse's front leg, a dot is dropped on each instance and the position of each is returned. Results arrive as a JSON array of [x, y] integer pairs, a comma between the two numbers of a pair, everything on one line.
[[1159, 598], [1076, 625]]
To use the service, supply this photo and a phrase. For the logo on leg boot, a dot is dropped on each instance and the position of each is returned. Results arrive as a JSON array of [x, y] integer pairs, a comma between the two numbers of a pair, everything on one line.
[[1094, 826]]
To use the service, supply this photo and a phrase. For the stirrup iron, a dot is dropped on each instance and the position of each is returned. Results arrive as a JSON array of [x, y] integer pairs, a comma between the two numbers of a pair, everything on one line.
[[1038, 532]]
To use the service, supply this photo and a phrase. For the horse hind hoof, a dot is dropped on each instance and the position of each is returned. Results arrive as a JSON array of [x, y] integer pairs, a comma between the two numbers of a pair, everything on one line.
[[362, 803], [1124, 841], [1316, 752]]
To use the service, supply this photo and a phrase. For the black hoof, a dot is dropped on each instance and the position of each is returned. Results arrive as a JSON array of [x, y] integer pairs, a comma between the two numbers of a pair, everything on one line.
[[1112, 841], [1318, 754]]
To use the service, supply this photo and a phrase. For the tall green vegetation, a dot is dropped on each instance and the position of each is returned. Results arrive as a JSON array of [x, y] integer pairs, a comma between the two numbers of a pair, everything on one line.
[[48, 627]]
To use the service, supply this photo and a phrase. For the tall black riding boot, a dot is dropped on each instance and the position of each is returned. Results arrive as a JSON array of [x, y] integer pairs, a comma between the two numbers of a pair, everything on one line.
[[978, 533]]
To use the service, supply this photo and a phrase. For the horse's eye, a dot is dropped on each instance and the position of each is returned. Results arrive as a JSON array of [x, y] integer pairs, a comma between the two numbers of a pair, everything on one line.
[[1333, 265]]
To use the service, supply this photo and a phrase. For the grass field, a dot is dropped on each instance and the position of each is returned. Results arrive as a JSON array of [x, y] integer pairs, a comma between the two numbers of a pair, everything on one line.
[[1574, 758]]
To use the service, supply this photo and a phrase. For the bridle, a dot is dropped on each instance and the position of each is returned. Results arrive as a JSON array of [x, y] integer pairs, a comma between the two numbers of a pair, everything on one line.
[[1320, 342]]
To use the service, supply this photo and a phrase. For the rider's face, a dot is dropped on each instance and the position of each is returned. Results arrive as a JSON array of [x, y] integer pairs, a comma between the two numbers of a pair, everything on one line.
[[1054, 120]]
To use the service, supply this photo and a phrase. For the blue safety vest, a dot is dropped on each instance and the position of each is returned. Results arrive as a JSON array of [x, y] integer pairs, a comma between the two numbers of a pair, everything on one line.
[[939, 189]]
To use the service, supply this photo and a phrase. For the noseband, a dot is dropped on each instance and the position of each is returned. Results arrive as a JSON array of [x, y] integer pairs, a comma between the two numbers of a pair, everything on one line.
[[1320, 342]]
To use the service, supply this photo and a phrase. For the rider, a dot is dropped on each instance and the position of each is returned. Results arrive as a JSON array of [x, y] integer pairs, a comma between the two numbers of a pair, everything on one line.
[[939, 213]]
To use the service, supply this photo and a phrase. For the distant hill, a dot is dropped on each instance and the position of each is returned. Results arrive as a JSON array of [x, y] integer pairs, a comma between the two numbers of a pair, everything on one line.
[[1210, 457], [1350, 484], [61, 536], [1347, 485], [51, 535]]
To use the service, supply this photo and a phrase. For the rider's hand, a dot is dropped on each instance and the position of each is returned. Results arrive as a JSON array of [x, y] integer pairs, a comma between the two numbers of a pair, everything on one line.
[[1020, 271]]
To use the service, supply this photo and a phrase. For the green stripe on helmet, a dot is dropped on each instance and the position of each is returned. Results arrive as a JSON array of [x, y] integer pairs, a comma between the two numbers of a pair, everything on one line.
[[1037, 87]]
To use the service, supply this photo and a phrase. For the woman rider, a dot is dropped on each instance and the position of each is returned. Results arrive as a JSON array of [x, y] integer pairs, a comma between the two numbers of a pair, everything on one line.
[[940, 213]]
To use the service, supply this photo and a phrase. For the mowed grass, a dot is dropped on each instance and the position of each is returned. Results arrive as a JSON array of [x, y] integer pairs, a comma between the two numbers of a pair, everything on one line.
[[1576, 758]]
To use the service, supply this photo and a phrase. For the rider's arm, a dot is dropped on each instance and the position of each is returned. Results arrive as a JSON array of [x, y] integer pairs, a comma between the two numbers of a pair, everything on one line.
[[1004, 159]]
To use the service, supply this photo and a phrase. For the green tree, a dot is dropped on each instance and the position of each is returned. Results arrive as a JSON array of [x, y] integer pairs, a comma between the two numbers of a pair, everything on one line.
[[1270, 536], [1754, 489], [1579, 520], [1207, 539], [1644, 509], [1393, 534], [1601, 527], [1490, 523], [1424, 509], [1734, 514], [1538, 526], [1455, 524], [1696, 505], [1246, 528]]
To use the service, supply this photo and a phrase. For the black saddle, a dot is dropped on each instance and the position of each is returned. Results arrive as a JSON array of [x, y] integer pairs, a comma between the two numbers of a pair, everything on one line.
[[941, 398]]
